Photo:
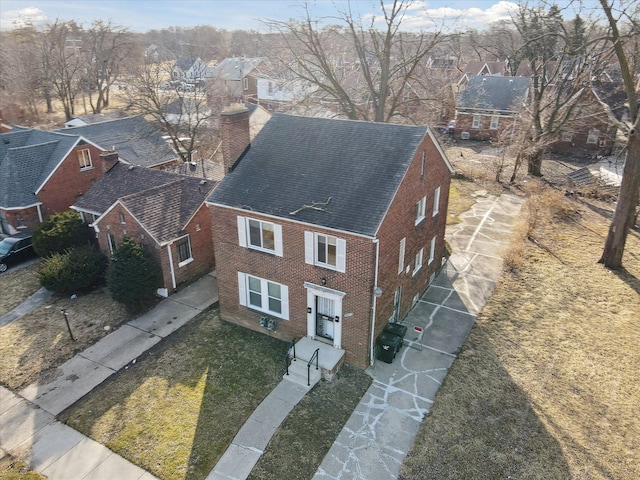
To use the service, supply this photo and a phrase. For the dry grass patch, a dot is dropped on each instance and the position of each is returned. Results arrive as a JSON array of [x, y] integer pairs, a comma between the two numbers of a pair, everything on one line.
[[177, 409], [304, 438], [32, 346], [16, 286], [12, 469], [548, 383]]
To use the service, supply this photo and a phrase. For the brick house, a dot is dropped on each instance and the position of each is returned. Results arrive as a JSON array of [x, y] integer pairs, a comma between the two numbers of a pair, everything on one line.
[[489, 105], [328, 228], [43, 172], [238, 78], [161, 210]]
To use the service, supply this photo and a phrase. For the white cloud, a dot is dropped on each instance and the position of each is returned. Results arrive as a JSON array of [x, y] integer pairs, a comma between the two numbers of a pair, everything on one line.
[[16, 18]]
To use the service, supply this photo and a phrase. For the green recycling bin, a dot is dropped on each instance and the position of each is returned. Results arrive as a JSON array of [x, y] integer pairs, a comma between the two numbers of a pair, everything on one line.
[[396, 329], [388, 346]]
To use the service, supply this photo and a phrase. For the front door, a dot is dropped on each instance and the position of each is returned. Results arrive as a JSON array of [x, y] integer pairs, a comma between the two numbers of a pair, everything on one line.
[[325, 317]]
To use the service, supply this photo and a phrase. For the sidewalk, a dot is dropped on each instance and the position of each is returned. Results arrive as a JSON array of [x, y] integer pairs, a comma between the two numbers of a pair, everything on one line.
[[28, 428], [384, 425]]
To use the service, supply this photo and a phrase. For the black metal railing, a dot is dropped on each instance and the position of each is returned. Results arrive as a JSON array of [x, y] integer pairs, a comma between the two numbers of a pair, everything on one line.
[[288, 358], [314, 356]]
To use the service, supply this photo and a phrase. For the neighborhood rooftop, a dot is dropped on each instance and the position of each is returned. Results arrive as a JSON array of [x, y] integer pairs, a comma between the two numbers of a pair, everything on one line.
[[353, 167], [494, 93]]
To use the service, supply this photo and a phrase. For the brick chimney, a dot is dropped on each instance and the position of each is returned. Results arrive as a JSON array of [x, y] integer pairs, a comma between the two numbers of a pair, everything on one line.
[[234, 129], [109, 159]]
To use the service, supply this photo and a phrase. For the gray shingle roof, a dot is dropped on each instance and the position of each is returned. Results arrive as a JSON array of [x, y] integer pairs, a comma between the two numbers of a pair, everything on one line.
[[27, 158], [504, 94], [135, 140], [164, 210], [123, 180], [235, 68], [295, 161]]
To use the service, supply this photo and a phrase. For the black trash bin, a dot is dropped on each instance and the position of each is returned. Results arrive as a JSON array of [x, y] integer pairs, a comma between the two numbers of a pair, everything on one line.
[[396, 329], [388, 345]]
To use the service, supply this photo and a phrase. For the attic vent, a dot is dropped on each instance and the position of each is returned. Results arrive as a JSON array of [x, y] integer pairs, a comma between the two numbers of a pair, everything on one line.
[[464, 135]]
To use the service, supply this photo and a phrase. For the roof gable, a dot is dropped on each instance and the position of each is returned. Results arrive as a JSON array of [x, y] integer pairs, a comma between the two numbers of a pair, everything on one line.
[[295, 163], [236, 68]]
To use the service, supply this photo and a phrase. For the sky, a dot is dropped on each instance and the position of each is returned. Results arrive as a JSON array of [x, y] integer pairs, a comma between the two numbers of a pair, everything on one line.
[[144, 15]]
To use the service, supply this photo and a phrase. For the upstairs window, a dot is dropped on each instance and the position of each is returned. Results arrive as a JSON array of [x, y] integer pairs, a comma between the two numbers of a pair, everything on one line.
[[567, 136], [260, 235], [245, 83], [84, 157], [494, 122], [476, 121], [403, 244], [123, 221], [594, 134], [417, 261], [432, 252], [422, 164], [325, 251], [421, 208], [436, 202]]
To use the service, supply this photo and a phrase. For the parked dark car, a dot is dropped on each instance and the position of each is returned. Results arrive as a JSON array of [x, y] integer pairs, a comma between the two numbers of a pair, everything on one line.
[[15, 249]]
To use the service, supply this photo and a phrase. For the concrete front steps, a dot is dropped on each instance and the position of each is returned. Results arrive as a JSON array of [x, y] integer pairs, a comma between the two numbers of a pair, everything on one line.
[[330, 360]]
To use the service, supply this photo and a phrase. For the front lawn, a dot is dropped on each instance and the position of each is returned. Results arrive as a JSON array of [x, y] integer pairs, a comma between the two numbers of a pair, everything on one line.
[[176, 411]]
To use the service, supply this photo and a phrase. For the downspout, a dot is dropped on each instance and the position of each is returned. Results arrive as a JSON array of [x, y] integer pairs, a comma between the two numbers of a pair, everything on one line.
[[39, 213], [173, 273], [373, 307]]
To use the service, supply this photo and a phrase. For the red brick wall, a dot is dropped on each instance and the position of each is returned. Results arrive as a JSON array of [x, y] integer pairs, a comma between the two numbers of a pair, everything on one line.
[[68, 181], [201, 245], [29, 218], [464, 123], [400, 222], [291, 270]]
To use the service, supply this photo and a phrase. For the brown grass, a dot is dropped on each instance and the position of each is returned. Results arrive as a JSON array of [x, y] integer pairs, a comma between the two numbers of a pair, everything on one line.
[[16, 286], [547, 384], [39, 341], [12, 469]]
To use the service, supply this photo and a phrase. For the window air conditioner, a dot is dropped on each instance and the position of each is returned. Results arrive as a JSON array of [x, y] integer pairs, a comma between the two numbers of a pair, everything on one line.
[[464, 135]]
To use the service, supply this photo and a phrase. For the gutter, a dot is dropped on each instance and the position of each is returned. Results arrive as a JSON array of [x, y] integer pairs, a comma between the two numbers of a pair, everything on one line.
[[373, 306]]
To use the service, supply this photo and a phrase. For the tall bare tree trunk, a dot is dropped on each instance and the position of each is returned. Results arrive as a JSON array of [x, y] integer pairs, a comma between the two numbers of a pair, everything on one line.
[[625, 213]]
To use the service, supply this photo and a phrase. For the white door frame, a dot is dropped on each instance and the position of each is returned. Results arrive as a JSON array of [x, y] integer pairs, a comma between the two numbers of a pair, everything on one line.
[[314, 291]]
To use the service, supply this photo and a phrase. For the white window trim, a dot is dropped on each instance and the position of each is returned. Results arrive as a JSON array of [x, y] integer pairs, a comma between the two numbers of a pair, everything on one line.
[[422, 162], [421, 208], [243, 292], [417, 261], [403, 244], [111, 241], [436, 202], [594, 132], [243, 236], [311, 247], [475, 122], [567, 136], [245, 83], [432, 251], [495, 121], [82, 158], [188, 260]]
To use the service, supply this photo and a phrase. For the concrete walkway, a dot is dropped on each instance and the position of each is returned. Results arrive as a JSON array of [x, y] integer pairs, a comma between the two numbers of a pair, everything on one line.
[[384, 425], [28, 428], [25, 307]]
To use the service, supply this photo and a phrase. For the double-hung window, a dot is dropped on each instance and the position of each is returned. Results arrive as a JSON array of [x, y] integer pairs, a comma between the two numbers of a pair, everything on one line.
[[403, 244], [593, 136], [84, 157], [494, 122], [260, 235], [432, 252], [417, 262], [436, 202], [264, 295], [476, 121], [183, 247], [325, 251], [421, 208]]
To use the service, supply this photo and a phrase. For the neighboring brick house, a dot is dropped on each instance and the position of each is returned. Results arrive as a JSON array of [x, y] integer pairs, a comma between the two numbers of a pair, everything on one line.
[[238, 78], [593, 131], [161, 210], [331, 227], [42, 173], [489, 105]]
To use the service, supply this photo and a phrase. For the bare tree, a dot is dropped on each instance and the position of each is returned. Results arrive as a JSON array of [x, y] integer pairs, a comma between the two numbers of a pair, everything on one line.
[[182, 112], [107, 46], [624, 215], [365, 70]]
